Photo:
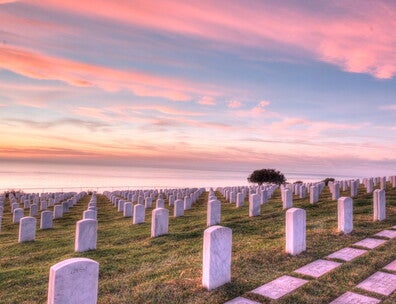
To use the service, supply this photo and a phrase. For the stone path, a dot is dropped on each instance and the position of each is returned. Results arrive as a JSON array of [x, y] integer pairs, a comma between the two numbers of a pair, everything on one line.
[[381, 283]]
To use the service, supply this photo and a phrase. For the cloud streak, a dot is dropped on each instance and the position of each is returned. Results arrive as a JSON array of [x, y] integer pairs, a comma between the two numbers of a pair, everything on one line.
[[78, 74], [90, 125], [357, 39]]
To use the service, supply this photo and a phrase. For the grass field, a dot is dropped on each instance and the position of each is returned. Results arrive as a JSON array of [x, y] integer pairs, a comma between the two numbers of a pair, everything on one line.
[[135, 268]]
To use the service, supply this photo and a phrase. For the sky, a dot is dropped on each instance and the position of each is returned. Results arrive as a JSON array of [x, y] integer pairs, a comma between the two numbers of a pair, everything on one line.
[[300, 86]]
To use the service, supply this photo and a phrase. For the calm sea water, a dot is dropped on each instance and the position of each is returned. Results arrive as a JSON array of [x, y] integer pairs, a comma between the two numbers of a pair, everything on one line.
[[33, 177]]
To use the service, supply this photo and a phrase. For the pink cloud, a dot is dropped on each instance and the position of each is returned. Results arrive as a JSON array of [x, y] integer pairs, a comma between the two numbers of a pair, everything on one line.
[[358, 39], [261, 107], [388, 107], [234, 104], [155, 107], [207, 101], [78, 74]]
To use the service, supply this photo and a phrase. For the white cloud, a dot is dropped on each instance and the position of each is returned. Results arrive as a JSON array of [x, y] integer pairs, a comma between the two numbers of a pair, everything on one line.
[[207, 101], [261, 107], [234, 104]]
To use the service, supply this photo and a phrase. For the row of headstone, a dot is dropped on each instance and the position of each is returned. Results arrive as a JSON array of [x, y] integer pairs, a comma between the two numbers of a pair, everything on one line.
[[300, 190], [345, 210], [160, 215], [27, 224], [87, 228], [40, 201], [66, 201], [217, 244], [237, 195], [217, 248], [369, 183], [213, 211], [257, 196]]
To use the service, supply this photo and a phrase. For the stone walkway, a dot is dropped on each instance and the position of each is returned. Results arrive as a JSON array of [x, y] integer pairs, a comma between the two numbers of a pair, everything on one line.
[[381, 283]]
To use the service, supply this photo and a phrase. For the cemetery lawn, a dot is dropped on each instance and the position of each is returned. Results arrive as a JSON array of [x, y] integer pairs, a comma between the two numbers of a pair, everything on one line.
[[135, 268]]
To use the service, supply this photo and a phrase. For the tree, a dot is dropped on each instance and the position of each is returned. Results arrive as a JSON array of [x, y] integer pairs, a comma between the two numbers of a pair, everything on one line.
[[327, 180], [266, 176]]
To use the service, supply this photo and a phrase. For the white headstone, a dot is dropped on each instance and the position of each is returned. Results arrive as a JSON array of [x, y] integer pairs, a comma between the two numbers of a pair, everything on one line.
[[187, 203], [254, 205], [43, 205], [336, 192], [239, 200], [178, 209], [217, 246], [90, 214], [379, 205], [27, 229], [148, 202], [58, 211], [160, 203], [18, 214], [128, 209], [264, 197], [213, 213], [345, 215], [159, 222], [46, 219], [313, 194], [369, 185], [138, 214], [171, 200], [295, 231], [86, 235], [303, 191], [383, 183], [33, 210], [288, 199], [354, 187], [120, 207], [74, 281]]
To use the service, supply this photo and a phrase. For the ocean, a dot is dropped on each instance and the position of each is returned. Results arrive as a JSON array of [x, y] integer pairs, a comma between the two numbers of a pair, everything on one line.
[[38, 177]]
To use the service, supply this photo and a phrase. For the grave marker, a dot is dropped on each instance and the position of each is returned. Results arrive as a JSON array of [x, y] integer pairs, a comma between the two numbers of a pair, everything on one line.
[[216, 268], [74, 281]]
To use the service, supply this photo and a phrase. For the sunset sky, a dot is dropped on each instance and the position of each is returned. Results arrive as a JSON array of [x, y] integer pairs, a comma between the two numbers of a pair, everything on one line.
[[292, 85]]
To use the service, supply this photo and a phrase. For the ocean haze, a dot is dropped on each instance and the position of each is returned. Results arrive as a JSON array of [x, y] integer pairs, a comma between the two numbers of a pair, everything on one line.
[[37, 177]]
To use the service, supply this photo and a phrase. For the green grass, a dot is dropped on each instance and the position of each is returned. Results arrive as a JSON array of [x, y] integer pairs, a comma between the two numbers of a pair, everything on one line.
[[135, 268]]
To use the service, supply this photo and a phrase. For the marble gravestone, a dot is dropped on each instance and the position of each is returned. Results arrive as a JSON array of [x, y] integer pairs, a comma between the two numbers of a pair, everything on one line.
[[216, 266], [58, 211], [178, 208], [159, 222], [288, 199], [18, 214], [345, 215], [379, 205], [160, 203], [27, 229], [213, 213], [90, 214], [254, 205], [86, 235], [138, 214], [128, 209], [46, 219], [239, 200], [295, 231], [74, 281]]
